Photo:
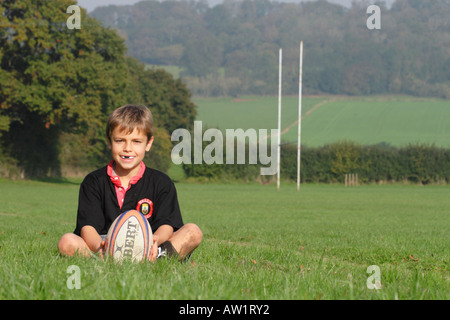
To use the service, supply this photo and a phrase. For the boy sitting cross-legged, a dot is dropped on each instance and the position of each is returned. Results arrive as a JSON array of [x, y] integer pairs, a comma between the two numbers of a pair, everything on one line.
[[127, 184]]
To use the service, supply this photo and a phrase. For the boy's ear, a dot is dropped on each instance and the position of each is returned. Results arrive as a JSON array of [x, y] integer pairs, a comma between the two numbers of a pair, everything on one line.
[[149, 144], [109, 143]]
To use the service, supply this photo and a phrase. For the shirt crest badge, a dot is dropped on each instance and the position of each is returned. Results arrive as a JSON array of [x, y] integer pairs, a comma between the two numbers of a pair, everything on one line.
[[145, 206]]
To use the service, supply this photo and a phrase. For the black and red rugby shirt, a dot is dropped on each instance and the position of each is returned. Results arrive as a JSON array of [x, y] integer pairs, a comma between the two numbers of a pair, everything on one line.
[[154, 195]]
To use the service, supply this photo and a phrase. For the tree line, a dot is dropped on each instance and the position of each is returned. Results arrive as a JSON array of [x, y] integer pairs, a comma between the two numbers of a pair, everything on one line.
[[58, 86], [232, 48], [379, 163]]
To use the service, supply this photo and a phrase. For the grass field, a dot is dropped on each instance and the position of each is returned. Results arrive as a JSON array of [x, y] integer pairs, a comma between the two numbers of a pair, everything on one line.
[[258, 244], [327, 119]]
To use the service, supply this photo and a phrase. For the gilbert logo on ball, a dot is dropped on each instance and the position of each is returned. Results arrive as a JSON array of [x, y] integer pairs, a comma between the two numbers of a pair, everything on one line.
[[129, 237]]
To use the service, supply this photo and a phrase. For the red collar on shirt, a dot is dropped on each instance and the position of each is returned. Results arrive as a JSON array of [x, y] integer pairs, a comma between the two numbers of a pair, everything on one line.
[[120, 191], [116, 179]]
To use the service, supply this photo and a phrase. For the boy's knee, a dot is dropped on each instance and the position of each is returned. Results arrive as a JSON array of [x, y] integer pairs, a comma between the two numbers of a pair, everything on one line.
[[65, 245], [195, 233], [68, 244]]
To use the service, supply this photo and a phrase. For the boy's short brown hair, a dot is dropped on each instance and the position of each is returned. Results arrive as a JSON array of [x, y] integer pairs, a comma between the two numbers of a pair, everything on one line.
[[130, 117]]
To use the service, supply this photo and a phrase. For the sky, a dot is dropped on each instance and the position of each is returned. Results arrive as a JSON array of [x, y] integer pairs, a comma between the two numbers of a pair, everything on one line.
[[90, 5]]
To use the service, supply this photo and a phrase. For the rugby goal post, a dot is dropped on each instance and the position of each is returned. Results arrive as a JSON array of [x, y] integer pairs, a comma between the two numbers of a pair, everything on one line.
[[299, 114], [280, 62]]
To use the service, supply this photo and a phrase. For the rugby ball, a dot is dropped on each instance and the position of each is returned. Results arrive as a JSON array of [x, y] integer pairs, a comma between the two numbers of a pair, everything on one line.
[[129, 237]]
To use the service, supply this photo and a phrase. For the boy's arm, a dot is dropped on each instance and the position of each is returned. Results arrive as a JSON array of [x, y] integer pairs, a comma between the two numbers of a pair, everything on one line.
[[92, 238], [163, 233]]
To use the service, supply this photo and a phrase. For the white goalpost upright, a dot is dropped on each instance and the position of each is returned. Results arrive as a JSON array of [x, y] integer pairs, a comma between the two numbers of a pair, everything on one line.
[[280, 63], [299, 114], [279, 117]]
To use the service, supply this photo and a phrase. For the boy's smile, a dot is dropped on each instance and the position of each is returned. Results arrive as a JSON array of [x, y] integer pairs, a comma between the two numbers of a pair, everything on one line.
[[128, 150], [127, 158]]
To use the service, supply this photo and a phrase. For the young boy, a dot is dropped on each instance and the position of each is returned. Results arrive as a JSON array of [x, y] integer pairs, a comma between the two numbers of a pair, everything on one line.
[[127, 184]]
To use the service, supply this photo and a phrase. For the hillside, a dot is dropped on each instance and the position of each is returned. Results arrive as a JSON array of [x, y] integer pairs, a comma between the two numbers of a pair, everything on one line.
[[231, 49], [395, 120]]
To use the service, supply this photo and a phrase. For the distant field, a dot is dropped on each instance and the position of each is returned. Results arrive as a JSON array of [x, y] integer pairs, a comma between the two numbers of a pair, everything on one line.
[[327, 119], [173, 70], [258, 244]]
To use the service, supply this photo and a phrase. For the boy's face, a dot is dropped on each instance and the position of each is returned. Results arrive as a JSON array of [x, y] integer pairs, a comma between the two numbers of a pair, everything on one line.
[[128, 150]]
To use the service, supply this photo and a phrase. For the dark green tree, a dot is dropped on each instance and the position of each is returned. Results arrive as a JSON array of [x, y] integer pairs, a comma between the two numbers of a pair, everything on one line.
[[54, 79], [58, 85]]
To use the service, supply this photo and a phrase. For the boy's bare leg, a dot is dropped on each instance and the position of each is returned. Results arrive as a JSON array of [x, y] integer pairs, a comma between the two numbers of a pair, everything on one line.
[[71, 244], [186, 239]]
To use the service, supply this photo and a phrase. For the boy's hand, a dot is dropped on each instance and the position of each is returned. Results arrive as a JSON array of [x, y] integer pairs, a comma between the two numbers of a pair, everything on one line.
[[154, 250], [101, 250]]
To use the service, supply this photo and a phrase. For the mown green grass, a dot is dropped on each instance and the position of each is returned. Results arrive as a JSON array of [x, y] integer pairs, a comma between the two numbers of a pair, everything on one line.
[[397, 120], [258, 244]]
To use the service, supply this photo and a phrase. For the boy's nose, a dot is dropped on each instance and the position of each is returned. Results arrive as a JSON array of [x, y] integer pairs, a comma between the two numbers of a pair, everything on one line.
[[127, 146]]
